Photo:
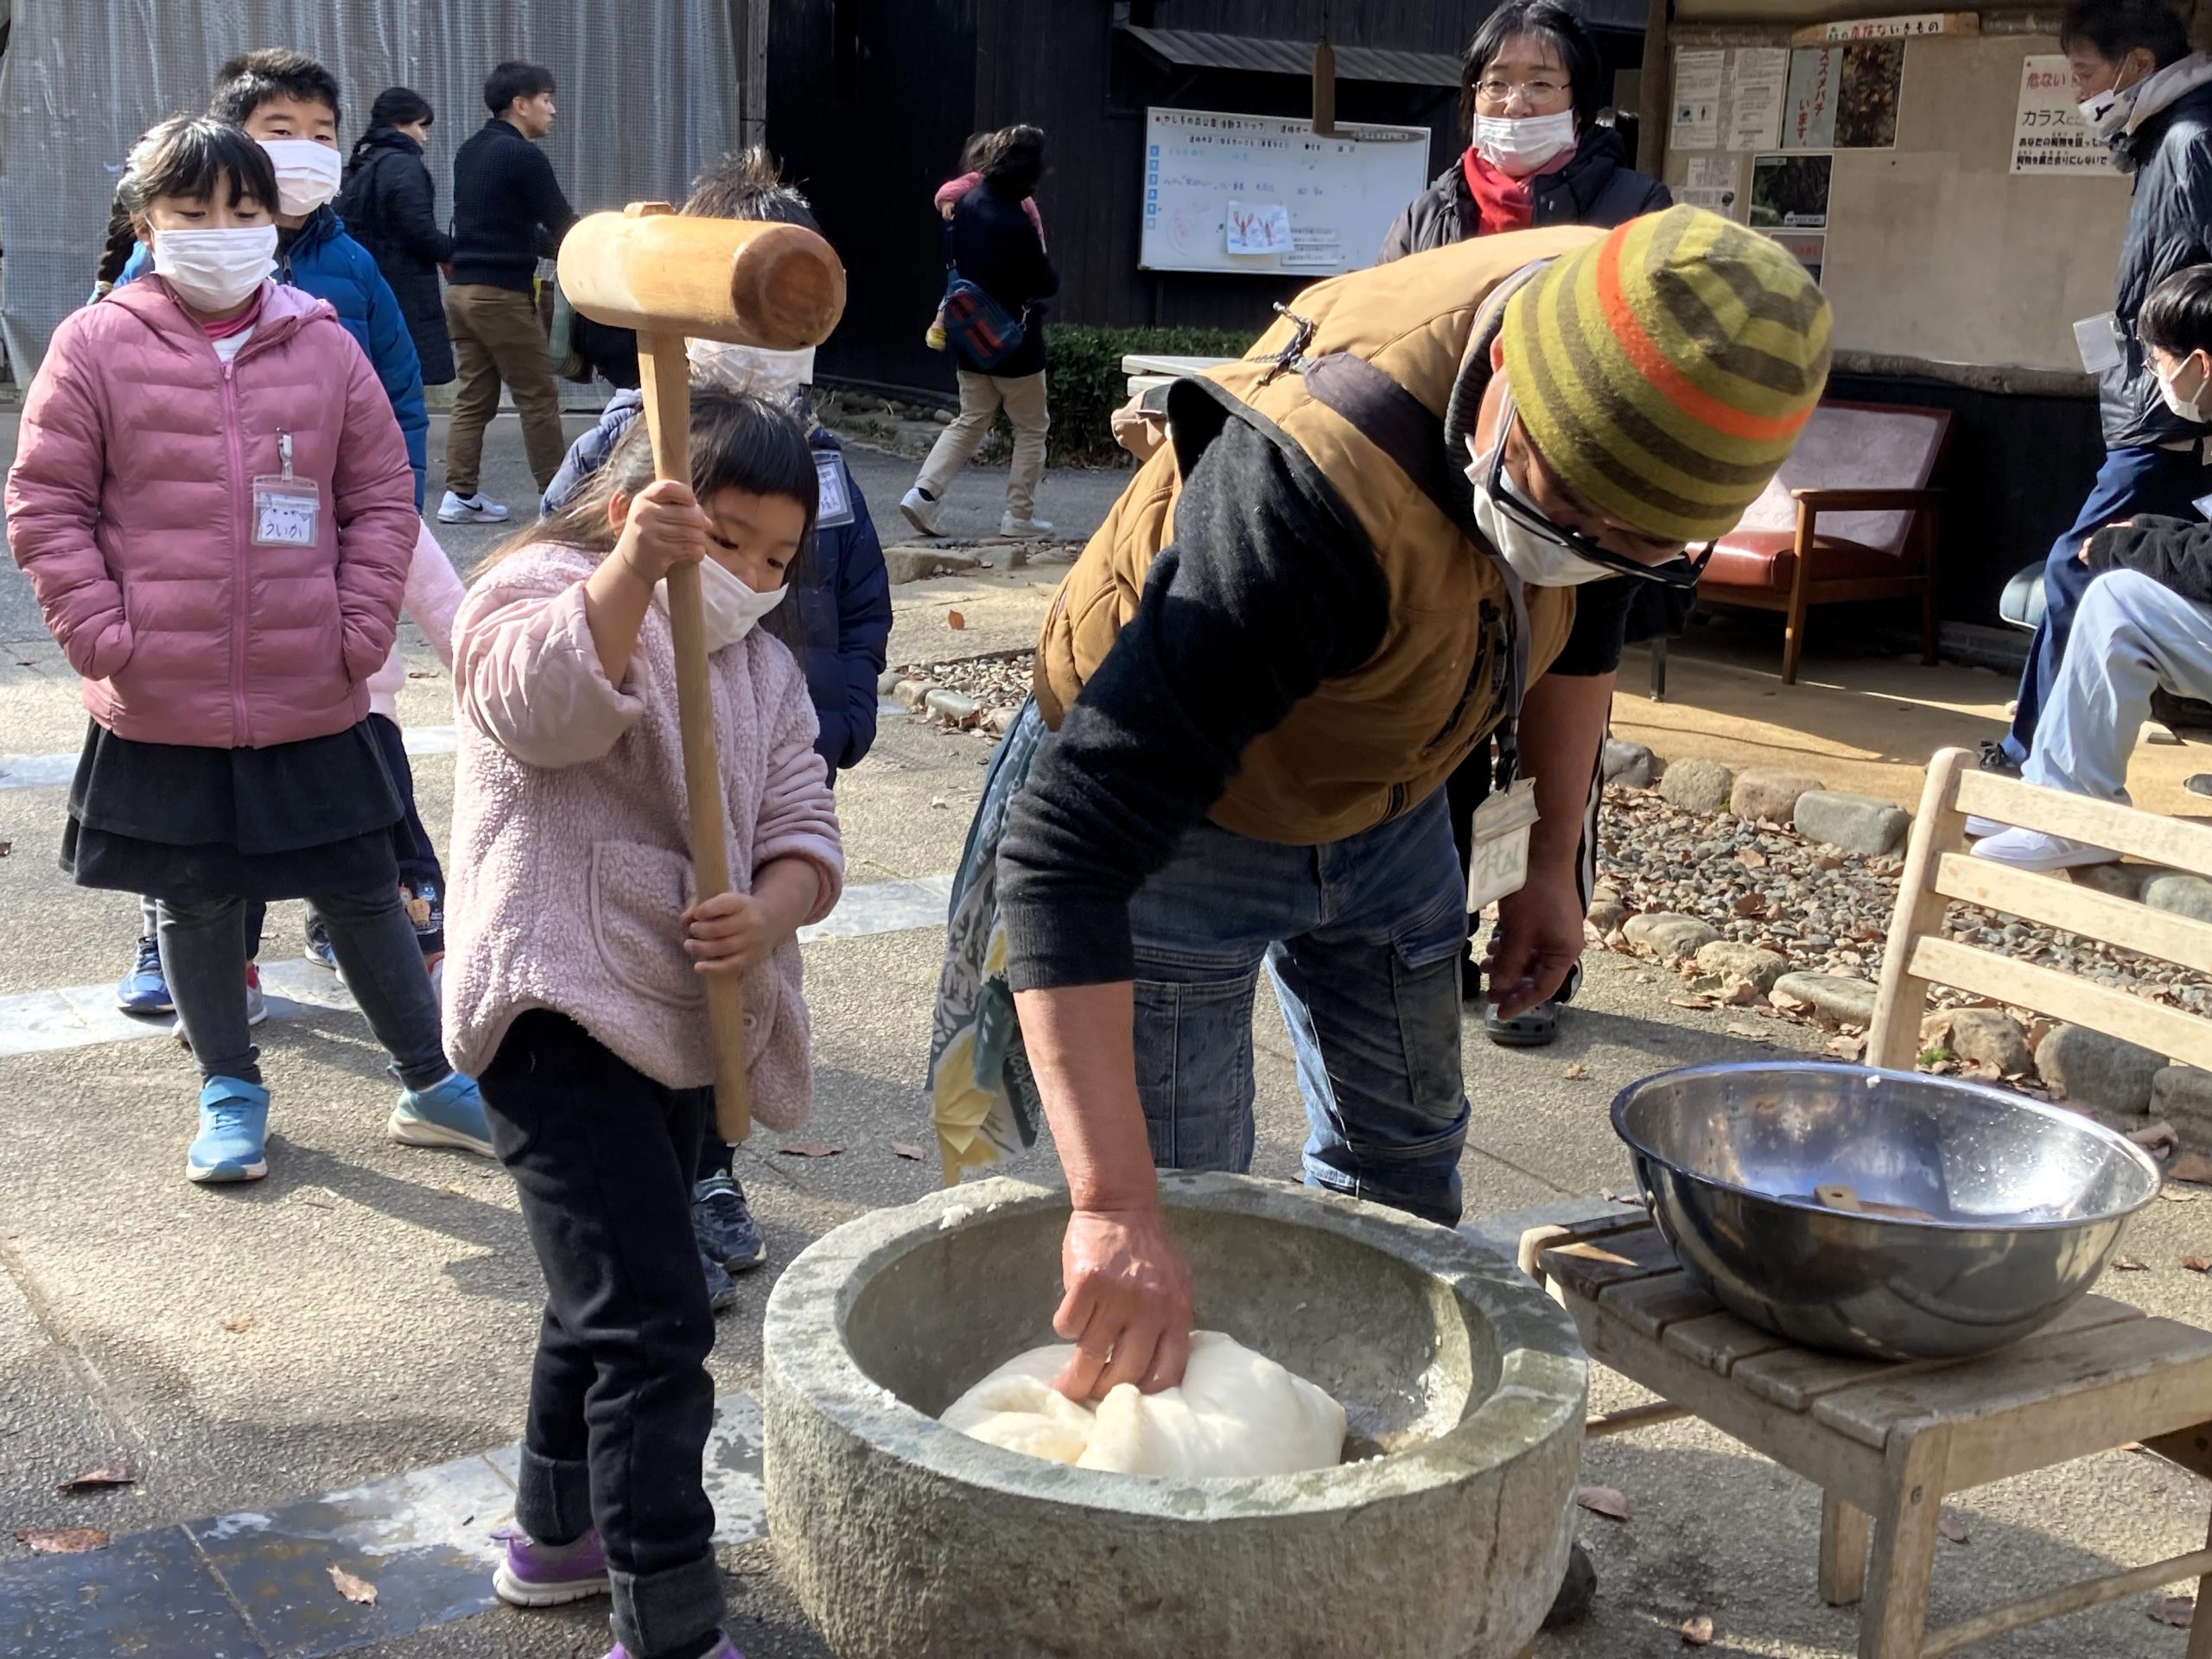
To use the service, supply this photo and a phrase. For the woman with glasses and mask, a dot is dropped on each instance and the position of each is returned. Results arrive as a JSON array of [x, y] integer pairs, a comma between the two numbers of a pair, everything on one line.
[[1531, 85], [1529, 92]]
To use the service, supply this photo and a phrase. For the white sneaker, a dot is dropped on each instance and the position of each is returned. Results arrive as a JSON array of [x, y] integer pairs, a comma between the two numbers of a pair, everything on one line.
[[1025, 530], [470, 510], [1978, 827], [921, 513], [257, 1005], [2031, 849]]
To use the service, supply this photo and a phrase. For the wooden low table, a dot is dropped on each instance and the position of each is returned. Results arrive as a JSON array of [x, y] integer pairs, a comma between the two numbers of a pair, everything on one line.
[[1887, 1441]]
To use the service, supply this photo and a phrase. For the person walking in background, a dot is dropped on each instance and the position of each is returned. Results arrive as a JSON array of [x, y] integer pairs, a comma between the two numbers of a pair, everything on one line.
[[2143, 92], [508, 213], [1531, 83], [212, 502], [948, 201], [993, 243], [390, 203], [837, 622]]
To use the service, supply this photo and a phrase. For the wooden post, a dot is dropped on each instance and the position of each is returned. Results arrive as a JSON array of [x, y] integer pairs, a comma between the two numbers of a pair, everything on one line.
[[1325, 86], [1654, 99], [665, 381]]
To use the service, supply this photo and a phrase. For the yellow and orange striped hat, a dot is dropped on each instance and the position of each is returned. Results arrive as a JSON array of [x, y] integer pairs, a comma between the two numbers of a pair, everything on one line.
[[1665, 372]]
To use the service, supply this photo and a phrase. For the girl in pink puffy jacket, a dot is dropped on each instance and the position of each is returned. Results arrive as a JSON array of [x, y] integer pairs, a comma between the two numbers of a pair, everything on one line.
[[213, 503], [575, 988]]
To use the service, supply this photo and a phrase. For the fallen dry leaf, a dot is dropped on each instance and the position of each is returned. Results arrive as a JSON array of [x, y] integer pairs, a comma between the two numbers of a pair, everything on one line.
[[954, 619], [901, 1149], [1750, 858], [2173, 1194], [61, 1541], [1608, 1500], [1693, 1001], [238, 1324], [2156, 1138], [1576, 1072], [1851, 1047], [1697, 1631], [351, 1588], [2177, 1611], [2130, 1264], [1951, 1525], [2197, 1263], [2191, 1166], [2136, 1446], [1750, 904], [94, 1480], [1784, 1000], [810, 1149]]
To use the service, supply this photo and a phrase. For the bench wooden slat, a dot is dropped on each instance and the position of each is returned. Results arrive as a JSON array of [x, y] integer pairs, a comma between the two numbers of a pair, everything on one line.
[[1796, 1377], [2173, 842], [1719, 1341], [2062, 903], [1648, 1306], [2131, 1019], [1587, 1268]]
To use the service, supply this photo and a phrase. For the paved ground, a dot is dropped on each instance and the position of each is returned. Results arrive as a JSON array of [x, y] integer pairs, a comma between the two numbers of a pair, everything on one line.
[[368, 1311]]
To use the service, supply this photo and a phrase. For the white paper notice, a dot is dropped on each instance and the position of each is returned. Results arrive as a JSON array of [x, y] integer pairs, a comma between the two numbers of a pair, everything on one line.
[[2048, 136], [1257, 227], [1761, 77], [1713, 172], [1698, 77]]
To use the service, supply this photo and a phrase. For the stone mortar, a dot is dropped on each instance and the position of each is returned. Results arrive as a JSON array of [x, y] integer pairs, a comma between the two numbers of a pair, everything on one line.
[[904, 1540]]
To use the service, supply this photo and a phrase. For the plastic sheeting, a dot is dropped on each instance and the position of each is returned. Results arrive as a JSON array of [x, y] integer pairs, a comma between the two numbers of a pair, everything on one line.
[[649, 91]]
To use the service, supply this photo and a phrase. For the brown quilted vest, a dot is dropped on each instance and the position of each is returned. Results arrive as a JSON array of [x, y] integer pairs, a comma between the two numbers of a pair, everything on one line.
[[1368, 744]]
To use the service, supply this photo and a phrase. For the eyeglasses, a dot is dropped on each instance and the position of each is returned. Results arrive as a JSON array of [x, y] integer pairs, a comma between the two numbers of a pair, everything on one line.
[[1491, 90], [1681, 572]]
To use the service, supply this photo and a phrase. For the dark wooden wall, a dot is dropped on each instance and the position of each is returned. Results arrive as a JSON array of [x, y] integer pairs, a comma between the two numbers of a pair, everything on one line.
[[868, 103]]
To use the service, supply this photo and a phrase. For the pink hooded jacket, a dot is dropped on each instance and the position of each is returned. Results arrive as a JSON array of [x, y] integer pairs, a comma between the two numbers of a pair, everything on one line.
[[130, 508], [570, 865]]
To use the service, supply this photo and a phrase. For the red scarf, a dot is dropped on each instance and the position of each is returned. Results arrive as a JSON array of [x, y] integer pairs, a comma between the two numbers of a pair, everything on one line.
[[237, 325], [1502, 203]]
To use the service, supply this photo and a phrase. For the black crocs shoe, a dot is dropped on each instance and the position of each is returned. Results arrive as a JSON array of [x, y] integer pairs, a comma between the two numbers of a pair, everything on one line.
[[1531, 1028]]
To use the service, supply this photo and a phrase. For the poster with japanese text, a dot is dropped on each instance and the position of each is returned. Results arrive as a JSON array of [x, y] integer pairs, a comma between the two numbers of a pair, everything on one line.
[[2048, 136]]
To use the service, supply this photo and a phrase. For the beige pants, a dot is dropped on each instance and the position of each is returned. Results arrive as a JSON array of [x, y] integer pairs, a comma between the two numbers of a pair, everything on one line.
[[981, 397], [497, 336]]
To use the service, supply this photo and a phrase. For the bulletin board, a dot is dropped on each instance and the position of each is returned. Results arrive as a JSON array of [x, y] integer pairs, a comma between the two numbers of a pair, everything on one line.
[[1937, 187], [1267, 194]]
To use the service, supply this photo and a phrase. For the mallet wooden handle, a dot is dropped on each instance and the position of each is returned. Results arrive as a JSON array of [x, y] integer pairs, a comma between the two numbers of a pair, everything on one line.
[[665, 381]]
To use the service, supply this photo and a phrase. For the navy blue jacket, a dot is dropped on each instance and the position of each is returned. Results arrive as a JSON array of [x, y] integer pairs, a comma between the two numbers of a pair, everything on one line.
[[322, 260], [2168, 228], [992, 244], [840, 603]]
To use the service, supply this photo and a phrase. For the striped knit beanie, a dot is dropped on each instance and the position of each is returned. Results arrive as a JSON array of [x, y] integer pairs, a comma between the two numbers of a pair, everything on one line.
[[1665, 372]]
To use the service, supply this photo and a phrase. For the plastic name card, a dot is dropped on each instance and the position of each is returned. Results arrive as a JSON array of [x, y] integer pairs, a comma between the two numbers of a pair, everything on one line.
[[286, 512], [2098, 340], [1499, 861], [836, 495]]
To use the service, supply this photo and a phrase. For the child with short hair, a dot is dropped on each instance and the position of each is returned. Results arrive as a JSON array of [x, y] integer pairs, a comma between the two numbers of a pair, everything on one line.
[[213, 505], [578, 990]]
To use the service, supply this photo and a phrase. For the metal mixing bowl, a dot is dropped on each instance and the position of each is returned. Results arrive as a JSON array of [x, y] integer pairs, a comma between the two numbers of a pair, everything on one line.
[[2010, 1207]]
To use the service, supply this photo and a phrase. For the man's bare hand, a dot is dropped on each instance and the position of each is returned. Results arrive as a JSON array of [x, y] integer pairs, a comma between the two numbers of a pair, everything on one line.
[[1128, 1306], [1539, 938]]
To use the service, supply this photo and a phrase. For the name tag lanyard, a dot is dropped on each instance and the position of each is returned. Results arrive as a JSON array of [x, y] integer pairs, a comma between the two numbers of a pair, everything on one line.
[[287, 509], [1498, 860]]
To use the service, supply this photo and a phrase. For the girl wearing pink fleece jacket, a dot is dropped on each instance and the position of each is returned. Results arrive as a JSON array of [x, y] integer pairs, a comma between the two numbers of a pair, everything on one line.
[[213, 503], [576, 986]]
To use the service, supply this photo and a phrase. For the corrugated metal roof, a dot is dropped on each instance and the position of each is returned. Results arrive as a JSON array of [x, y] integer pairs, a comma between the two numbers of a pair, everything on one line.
[[1192, 48]]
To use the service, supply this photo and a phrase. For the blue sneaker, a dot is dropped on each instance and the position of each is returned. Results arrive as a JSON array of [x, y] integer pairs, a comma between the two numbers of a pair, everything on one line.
[[722, 1222], [145, 989], [318, 949], [233, 1132], [722, 1289], [450, 1114]]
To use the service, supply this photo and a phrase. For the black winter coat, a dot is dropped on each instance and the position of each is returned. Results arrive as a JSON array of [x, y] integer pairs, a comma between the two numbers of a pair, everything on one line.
[[2176, 553], [992, 244], [1597, 188], [2168, 228], [389, 205]]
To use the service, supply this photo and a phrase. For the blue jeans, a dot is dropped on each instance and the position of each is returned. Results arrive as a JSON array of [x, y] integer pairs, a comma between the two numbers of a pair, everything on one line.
[[2162, 481], [1362, 938]]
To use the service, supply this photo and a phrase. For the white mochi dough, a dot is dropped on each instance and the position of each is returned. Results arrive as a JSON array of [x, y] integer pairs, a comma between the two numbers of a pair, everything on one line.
[[1237, 1412]]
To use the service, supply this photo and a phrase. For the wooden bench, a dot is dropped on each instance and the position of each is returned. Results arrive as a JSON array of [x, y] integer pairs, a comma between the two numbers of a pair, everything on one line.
[[1887, 1441], [1850, 518]]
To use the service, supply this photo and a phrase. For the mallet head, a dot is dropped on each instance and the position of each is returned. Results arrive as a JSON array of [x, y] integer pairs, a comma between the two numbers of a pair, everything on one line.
[[777, 286]]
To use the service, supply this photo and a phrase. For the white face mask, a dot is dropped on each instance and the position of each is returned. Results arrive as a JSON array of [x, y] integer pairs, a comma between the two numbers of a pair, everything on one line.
[[307, 173], [1537, 560], [1519, 145], [733, 609], [213, 271], [751, 368], [2193, 407]]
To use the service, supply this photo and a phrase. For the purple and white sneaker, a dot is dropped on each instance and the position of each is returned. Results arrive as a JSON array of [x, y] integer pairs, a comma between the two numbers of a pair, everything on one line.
[[549, 1575], [725, 1649]]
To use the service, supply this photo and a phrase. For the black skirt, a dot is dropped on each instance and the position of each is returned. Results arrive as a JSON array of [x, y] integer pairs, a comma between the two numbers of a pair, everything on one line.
[[168, 820]]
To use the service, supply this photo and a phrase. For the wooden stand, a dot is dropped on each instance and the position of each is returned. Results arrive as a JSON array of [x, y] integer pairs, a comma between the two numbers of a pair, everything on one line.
[[1887, 1441]]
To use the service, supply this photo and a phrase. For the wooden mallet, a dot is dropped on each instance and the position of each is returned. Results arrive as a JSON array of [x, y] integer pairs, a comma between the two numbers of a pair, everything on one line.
[[673, 278]]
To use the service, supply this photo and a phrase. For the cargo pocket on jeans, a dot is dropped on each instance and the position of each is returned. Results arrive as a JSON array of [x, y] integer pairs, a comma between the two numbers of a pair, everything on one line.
[[638, 893], [1425, 958]]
